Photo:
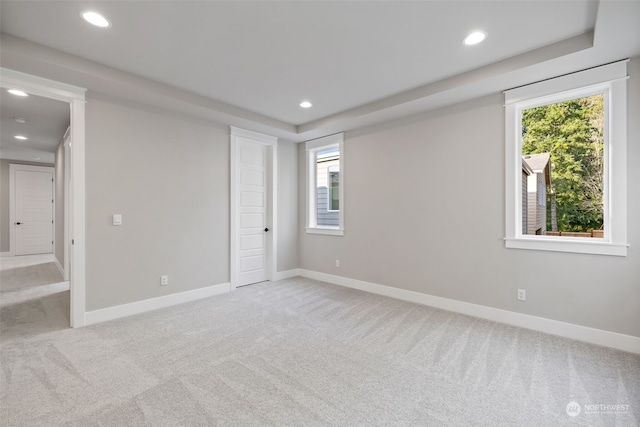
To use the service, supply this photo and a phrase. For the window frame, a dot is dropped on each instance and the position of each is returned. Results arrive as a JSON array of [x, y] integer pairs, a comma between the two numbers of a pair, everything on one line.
[[312, 148], [611, 80]]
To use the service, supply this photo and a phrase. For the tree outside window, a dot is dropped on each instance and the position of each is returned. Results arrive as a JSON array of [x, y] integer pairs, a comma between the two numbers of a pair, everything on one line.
[[572, 132]]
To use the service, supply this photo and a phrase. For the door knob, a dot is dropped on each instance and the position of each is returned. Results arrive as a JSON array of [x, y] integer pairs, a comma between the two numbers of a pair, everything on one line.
[[266, 229], [18, 223]]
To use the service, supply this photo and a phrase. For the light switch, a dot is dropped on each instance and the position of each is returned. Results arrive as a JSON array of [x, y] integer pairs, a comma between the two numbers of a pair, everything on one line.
[[117, 219]]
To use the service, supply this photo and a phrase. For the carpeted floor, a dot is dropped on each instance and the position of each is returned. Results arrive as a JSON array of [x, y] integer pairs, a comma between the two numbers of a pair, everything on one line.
[[300, 352], [13, 279]]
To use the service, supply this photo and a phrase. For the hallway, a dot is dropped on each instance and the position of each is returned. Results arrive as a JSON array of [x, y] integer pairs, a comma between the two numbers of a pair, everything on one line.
[[33, 296]]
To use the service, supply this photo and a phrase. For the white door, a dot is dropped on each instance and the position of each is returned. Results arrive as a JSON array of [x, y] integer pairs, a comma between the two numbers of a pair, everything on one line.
[[252, 212], [33, 212]]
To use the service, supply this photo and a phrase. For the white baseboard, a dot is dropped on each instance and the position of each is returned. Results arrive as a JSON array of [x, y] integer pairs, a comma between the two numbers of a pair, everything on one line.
[[554, 327], [124, 310], [59, 266], [281, 275]]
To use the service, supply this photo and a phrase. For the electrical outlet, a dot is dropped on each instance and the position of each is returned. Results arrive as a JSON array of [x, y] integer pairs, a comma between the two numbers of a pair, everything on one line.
[[522, 295], [337, 263], [164, 280]]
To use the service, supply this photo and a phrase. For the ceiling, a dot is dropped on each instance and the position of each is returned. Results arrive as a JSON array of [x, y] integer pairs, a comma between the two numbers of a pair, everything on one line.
[[47, 121], [252, 63]]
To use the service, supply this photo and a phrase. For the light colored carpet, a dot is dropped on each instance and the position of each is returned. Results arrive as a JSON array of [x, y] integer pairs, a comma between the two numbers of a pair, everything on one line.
[[300, 352], [13, 279]]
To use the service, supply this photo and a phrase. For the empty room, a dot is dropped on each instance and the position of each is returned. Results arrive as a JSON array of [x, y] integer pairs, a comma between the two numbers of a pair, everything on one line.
[[348, 213]]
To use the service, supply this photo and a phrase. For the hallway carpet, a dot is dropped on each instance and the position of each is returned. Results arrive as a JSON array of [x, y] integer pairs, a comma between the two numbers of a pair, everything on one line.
[[300, 352], [17, 278]]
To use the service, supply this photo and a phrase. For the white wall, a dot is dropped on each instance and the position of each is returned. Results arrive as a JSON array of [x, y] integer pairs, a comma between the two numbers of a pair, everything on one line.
[[422, 228]]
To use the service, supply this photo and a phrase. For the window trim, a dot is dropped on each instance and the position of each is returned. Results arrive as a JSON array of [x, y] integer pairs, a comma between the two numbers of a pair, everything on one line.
[[312, 147], [610, 79]]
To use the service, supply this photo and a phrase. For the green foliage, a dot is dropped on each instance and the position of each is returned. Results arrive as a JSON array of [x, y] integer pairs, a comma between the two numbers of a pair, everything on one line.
[[572, 132]]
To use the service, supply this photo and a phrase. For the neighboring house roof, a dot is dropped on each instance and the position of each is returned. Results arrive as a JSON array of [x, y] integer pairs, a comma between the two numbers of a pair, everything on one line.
[[540, 163], [537, 162], [526, 167]]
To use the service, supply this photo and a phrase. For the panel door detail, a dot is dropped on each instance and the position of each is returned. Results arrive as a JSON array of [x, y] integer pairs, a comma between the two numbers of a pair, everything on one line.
[[252, 200], [33, 212]]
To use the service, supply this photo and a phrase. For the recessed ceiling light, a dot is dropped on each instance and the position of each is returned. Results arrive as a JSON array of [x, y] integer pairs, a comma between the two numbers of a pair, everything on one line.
[[17, 92], [474, 38], [95, 18], [20, 120], [306, 104], [20, 137]]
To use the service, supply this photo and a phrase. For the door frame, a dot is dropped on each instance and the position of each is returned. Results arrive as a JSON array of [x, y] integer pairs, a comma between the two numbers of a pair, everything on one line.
[[75, 97], [271, 247], [13, 168], [66, 141]]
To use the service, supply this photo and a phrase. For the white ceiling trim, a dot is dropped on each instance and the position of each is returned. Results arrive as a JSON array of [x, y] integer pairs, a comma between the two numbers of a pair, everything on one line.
[[40, 86]]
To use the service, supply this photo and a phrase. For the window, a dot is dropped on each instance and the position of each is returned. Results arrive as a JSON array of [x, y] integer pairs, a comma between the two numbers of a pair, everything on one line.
[[325, 182], [334, 188], [566, 163]]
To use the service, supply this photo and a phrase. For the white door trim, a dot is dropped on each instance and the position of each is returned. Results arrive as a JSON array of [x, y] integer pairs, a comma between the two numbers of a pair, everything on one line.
[[272, 180], [13, 167], [67, 203], [75, 96]]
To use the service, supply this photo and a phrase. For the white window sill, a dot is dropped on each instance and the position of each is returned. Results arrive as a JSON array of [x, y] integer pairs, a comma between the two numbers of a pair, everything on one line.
[[567, 244], [331, 231]]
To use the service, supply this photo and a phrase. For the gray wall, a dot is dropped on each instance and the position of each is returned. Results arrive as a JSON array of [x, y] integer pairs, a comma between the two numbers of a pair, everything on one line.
[[59, 217], [287, 206], [4, 206], [169, 178], [4, 200], [439, 238]]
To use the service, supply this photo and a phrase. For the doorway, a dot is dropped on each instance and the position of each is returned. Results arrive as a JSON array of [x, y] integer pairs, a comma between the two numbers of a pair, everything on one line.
[[75, 98]]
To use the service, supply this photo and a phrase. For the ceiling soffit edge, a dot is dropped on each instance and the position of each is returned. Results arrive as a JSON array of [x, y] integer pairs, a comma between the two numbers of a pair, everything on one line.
[[505, 66], [115, 84], [32, 58]]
